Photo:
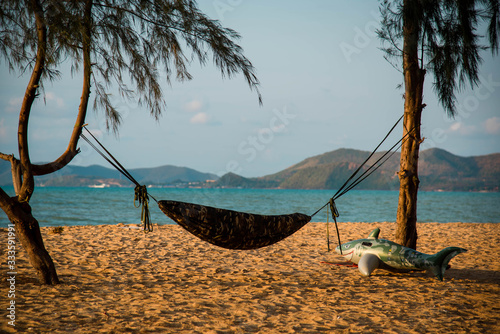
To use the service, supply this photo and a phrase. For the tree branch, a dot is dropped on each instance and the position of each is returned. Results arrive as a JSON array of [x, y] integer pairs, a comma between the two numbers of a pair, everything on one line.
[[28, 183], [6, 157], [72, 149]]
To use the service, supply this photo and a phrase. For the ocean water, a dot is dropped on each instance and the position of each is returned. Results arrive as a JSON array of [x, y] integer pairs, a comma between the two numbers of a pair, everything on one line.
[[90, 206]]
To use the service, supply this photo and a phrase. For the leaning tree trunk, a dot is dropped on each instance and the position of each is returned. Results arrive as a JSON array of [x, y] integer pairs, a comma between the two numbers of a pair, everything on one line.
[[18, 208], [406, 230], [28, 233]]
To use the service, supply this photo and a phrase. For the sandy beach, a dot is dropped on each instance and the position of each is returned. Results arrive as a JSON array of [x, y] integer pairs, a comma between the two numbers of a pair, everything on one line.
[[117, 279]]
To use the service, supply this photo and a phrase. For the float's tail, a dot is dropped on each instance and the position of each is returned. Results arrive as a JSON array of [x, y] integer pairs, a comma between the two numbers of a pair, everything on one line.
[[442, 258]]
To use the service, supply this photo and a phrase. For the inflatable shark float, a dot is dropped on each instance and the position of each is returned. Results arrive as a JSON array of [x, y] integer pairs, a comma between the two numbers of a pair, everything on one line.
[[372, 253]]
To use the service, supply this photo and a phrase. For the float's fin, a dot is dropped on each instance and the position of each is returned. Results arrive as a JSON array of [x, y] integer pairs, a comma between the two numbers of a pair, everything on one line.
[[368, 263], [374, 234], [442, 258]]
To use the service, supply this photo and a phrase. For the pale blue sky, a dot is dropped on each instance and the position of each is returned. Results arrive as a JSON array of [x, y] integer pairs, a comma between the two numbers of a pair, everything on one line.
[[324, 82]]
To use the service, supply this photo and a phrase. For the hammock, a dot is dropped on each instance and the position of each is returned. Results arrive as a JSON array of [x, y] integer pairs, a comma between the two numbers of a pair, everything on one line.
[[232, 229]]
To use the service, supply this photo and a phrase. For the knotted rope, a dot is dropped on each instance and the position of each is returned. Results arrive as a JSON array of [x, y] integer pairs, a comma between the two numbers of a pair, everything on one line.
[[141, 195], [351, 182], [141, 192]]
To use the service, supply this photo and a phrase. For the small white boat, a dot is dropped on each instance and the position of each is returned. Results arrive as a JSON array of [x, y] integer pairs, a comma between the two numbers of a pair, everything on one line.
[[102, 185]]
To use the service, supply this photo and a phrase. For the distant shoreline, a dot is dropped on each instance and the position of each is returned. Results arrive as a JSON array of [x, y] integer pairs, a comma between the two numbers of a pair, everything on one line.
[[152, 186], [439, 170]]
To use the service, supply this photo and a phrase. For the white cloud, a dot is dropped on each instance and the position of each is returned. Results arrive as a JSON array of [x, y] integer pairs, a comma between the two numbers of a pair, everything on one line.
[[194, 105], [492, 125], [278, 128], [461, 128], [200, 118], [455, 126], [51, 97], [14, 103]]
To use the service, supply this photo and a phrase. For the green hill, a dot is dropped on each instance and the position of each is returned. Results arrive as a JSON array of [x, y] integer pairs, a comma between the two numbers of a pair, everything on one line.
[[438, 170], [78, 176]]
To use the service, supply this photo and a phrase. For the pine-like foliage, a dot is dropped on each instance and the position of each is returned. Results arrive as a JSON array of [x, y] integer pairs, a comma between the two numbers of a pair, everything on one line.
[[448, 39], [141, 42]]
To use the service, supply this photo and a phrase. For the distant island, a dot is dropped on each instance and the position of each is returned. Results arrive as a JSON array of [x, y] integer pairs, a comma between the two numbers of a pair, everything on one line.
[[439, 170]]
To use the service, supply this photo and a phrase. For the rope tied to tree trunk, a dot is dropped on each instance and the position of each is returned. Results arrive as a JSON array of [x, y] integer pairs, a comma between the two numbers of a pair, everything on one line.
[[351, 182], [141, 195], [335, 214], [140, 192]]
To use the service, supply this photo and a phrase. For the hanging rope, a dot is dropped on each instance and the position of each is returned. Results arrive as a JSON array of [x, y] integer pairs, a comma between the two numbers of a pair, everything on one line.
[[327, 229], [141, 193], [142, 197], [386, 156], [335, 214], [348, 185]]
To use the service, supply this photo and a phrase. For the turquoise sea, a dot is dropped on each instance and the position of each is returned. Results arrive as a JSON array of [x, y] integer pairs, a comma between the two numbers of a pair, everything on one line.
[[91, 206]]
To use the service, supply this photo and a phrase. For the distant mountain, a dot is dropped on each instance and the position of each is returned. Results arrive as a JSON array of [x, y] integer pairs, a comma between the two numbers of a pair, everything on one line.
[[231, 180], [77, 176], [438, 170], [330, 170]]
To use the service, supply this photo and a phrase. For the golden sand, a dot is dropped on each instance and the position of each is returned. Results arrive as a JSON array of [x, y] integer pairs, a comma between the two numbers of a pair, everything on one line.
[[119, 280]]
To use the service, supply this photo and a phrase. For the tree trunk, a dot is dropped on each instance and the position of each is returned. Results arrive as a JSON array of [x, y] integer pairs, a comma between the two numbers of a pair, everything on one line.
[[28, 233], [72, 149], [18, 209], [406, 230]]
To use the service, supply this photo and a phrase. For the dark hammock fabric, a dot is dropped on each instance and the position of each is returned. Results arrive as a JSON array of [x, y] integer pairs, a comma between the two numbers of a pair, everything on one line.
[[232, 229]]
